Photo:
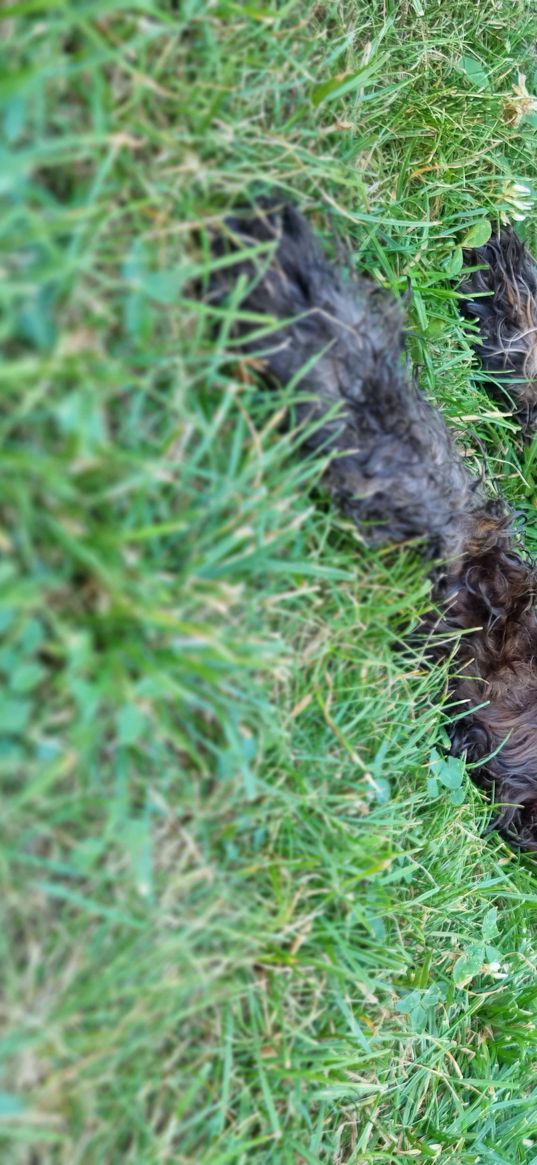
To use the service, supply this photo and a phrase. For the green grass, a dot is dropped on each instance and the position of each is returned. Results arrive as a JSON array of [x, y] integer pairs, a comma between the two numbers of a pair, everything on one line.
[[239, 921]]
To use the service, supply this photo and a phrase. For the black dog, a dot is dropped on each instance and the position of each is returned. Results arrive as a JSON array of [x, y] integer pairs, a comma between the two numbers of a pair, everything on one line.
[[395, 472], [502, 297]]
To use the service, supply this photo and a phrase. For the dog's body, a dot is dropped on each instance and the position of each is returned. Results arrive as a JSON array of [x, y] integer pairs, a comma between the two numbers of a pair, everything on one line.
[[501, 295], [396, 473]]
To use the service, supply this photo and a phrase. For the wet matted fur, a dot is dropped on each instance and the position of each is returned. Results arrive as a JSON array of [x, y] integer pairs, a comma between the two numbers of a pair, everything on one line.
[[396, 473], [502, 297]]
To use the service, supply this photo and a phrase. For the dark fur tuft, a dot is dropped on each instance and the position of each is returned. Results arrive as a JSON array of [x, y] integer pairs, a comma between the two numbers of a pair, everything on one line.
[[396, 473], [502, 298]]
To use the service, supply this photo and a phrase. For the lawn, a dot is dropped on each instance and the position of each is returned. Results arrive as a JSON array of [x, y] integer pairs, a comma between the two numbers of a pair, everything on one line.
[[244, 916]]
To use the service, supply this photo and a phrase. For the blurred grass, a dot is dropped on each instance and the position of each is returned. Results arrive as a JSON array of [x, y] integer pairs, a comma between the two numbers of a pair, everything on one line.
[[245, 914]]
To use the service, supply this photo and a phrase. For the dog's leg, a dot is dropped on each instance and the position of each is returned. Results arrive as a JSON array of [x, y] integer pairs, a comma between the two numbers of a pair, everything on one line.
[[393, 470]]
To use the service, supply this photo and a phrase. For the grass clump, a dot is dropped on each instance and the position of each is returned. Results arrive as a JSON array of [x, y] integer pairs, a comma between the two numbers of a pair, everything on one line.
[[248, 912]]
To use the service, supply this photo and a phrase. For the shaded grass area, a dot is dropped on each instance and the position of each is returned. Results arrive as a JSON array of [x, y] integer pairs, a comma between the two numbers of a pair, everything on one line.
[[248, 910]]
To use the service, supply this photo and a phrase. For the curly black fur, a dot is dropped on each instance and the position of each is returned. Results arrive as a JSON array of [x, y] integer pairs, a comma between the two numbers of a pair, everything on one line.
[[502, 297], [396, 473]]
